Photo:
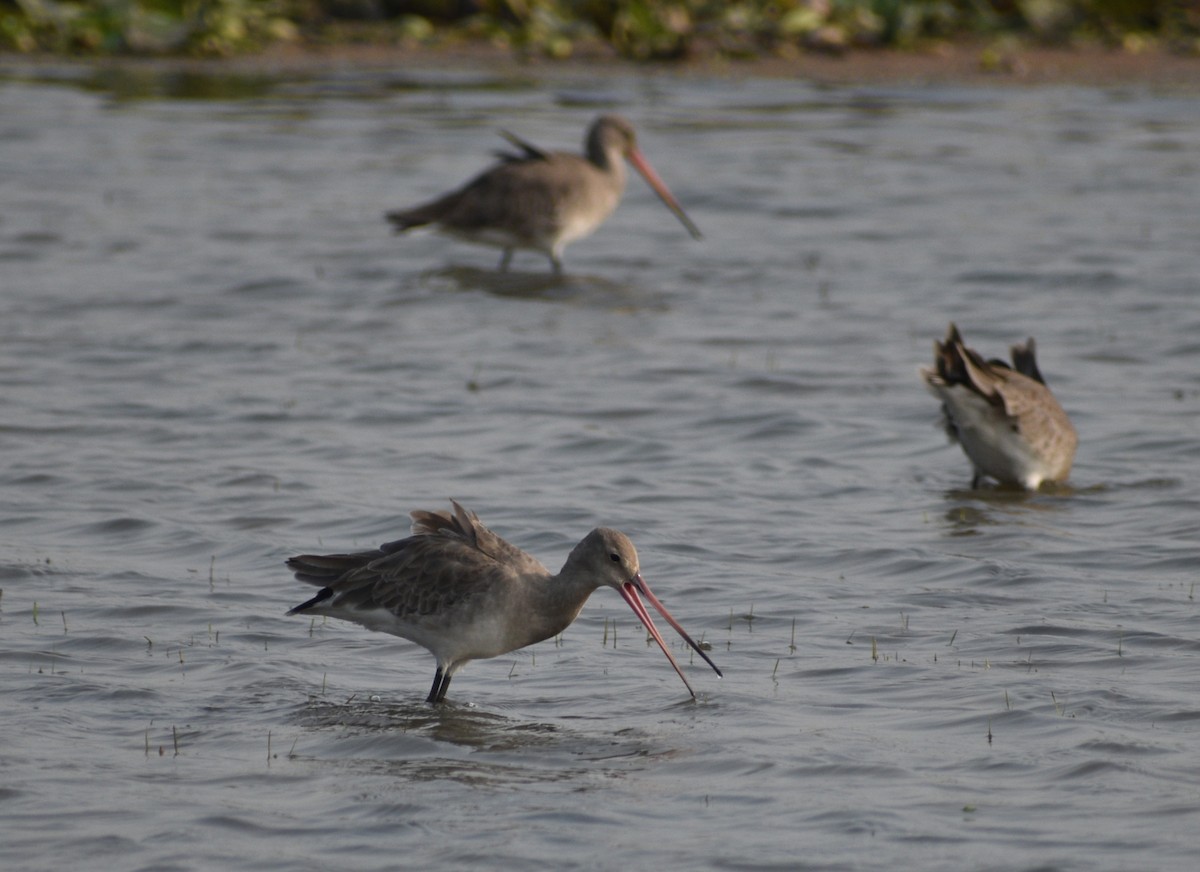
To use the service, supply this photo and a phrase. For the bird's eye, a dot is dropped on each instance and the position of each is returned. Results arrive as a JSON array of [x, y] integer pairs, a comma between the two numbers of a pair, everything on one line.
[[615, 557]]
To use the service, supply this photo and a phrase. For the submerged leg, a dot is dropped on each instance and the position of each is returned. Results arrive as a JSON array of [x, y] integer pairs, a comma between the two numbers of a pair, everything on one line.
[[445, 686], [437, 683], [441, 683], [505, 259], [556, 264]]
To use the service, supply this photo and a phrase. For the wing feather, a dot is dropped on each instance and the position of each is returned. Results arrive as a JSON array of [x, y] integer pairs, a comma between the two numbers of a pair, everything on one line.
[[450, 558]]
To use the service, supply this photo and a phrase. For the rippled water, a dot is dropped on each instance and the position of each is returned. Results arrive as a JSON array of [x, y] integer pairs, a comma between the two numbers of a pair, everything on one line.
[[213, 355]]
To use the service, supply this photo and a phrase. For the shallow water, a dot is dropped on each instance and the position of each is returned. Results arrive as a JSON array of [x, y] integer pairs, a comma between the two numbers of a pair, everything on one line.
[[213, 355]]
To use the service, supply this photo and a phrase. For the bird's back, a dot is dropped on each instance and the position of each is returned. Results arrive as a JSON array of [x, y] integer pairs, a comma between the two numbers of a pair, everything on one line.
[[1006, 419], [443, 587], [533, 201]]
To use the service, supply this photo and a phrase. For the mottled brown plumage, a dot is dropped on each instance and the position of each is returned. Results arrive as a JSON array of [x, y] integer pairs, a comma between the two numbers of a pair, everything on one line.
[[462, 592], [542, 201], [1007, 421]]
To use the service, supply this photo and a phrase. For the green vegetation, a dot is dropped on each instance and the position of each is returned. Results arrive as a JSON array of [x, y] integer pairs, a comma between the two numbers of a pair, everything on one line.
[[203, 27], [637, 29]]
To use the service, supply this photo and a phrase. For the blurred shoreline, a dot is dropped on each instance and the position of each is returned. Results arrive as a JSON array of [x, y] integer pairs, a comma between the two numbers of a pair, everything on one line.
[[960, 62]]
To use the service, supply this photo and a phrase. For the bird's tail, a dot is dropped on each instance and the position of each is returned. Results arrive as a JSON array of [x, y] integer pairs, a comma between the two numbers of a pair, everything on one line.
[[406, 219], [324, 594], [427, 213], [323, 569]]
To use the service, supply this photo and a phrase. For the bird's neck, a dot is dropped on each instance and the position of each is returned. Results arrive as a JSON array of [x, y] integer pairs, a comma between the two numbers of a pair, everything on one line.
[[609, 161], [559, 599]]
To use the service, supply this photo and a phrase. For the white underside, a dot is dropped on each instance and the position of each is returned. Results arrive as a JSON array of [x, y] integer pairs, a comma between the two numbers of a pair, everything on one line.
[[576, 226], [988, 437], [451, 641], [497, 238]]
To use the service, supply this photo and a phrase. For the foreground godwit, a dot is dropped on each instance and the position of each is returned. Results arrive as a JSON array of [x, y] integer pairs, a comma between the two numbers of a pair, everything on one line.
[[1005, 418], [461, 591], [541, 200]]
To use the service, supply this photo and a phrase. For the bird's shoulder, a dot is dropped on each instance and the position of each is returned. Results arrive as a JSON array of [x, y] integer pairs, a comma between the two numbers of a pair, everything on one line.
[[452, 547]]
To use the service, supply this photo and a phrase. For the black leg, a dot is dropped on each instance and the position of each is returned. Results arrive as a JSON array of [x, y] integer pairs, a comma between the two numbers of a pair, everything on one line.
[[445, 686], [437, 683], [441, 683]]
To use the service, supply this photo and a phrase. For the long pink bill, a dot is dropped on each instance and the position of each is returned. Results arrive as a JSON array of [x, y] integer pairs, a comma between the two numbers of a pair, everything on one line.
[[642, 166], [629, 591]]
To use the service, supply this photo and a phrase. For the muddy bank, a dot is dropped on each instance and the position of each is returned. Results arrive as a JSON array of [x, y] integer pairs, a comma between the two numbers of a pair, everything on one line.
[[967, 62]]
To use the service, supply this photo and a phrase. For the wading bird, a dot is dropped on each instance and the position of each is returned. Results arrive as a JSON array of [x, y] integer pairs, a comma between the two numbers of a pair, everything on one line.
[[459, 590], [1005, 418], [543, 201]]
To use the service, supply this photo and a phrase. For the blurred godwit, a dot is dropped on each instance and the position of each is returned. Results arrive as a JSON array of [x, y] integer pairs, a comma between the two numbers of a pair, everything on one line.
[[541, 200], [459, 590], [1005, 418]]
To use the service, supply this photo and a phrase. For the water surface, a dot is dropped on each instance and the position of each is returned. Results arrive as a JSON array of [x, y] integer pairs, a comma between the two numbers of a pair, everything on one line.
[[213, 355]]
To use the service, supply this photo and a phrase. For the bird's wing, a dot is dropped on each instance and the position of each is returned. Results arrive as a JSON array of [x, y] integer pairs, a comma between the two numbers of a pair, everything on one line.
[[464, 526], [528, 151], [451, 557]]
